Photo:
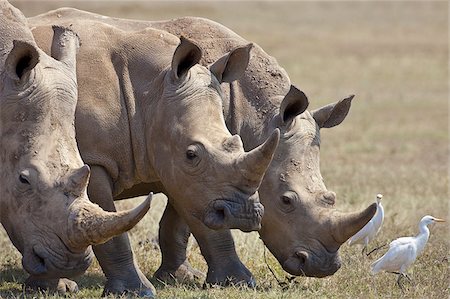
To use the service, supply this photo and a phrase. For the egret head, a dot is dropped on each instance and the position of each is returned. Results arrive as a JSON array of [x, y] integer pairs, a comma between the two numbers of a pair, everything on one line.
[[379, 197], [430, 219]]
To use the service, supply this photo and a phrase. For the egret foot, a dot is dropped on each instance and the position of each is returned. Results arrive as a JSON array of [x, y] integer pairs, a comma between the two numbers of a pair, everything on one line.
[[399, 279]]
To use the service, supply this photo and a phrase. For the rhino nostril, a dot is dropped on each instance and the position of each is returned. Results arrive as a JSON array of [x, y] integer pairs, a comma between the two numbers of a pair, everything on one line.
[[302, 256]]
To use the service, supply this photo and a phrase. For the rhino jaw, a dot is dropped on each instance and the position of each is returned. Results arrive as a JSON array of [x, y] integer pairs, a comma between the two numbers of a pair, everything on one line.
[[231, 213], [41, 262]]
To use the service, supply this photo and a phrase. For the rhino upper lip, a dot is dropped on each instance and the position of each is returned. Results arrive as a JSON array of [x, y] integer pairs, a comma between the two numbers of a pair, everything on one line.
[[44, 257]]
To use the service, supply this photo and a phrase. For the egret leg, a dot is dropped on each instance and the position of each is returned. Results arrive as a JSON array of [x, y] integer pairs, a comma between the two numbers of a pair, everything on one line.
[[409, 278], [399, 283], [364, 250], [375, 249]]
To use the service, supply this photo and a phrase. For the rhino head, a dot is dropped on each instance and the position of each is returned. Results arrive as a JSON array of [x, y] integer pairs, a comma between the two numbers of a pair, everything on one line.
[[216, 180], [43, 203], [301, 227]]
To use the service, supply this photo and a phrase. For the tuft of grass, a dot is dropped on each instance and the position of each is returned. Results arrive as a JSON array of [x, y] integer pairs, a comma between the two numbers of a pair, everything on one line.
[[393, 56]]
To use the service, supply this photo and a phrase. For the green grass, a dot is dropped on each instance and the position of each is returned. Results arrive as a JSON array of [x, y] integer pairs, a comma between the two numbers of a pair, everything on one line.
[[394, 57]]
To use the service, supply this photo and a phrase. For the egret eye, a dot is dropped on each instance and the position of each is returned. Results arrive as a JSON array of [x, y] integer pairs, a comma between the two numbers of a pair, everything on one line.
[[24, 179]]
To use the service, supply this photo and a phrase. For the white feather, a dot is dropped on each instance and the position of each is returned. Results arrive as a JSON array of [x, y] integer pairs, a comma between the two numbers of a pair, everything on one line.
[[404, 251], [366, 234]]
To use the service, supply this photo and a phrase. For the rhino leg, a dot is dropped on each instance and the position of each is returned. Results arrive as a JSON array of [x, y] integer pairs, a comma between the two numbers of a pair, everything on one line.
[[173, 239], [224, 266], [61, 286], [115, 256], [217, 247]]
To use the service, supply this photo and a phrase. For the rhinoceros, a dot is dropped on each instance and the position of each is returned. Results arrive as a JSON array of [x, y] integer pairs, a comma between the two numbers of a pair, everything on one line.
[[44, 207], [148, 112], [301, 227]]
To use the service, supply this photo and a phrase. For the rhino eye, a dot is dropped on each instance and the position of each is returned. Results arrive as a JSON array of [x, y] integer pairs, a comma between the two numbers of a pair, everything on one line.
[[285, 200], [24, 179], [288, 200], [191, 154]]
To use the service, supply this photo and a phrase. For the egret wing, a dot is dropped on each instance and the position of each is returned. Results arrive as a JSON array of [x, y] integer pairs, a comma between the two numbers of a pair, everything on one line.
[[399, 254], [361, 234], [401, 241]]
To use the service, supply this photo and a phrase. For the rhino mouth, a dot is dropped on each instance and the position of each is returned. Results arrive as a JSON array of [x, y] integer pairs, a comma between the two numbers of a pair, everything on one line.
[[312, 264], [234, 214], [46, 264]]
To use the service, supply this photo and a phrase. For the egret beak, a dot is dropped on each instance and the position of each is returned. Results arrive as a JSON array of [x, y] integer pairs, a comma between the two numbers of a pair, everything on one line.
[[439, 220]]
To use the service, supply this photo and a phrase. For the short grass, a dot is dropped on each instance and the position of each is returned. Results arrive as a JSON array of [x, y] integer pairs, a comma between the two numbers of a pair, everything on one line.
[[394, 57]]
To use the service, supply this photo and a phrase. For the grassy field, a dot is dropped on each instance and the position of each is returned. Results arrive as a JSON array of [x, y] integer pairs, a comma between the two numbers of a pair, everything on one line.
[[394, 57]]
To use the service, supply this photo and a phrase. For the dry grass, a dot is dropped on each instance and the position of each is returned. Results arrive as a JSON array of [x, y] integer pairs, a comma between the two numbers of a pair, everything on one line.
[[393, 56]]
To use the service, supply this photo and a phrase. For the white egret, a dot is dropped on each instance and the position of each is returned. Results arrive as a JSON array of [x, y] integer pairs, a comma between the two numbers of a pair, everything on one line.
[[404, 251], [371, 229]]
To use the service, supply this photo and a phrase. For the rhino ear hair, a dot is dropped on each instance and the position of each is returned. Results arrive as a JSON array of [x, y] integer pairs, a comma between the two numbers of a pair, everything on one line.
[[333, 114], [21, 60], [232, 65], [186, 55], [293, 104]]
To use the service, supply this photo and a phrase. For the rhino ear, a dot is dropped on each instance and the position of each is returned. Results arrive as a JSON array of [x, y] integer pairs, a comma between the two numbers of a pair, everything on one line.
[[293, 104], [186, 55], [232, 65], [21, 60], [332, 114]]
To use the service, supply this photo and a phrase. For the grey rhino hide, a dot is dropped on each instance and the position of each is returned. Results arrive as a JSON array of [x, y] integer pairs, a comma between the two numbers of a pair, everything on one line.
[[300, 227], [164, 113], [43, 179]]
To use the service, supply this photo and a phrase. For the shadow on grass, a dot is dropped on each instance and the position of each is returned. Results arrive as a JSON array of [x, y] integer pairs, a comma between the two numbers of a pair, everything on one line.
[[13, 277]]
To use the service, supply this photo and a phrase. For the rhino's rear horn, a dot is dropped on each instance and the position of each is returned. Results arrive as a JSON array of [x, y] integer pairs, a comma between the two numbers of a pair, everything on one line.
[[78, 180], [254, 164], [65, 45], [348, 224], [91, 225], [21, 60]]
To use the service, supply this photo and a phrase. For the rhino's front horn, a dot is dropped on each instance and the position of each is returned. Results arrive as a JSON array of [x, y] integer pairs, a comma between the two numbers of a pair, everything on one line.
[[348, 224], [254, 164], [91, 225]]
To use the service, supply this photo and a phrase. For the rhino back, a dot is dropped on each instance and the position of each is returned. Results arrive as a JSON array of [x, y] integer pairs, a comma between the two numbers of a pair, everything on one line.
[[114, 68], [250, 102]]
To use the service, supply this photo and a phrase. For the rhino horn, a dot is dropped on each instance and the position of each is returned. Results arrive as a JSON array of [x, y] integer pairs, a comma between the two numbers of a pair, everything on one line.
[[91, 225], [255, 163], [65, 45], [78, 180], [347, 224]]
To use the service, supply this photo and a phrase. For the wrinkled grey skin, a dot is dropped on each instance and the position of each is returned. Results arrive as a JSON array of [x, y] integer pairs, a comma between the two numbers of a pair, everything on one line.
[[300, 227], [158, 119], [44, 207]]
